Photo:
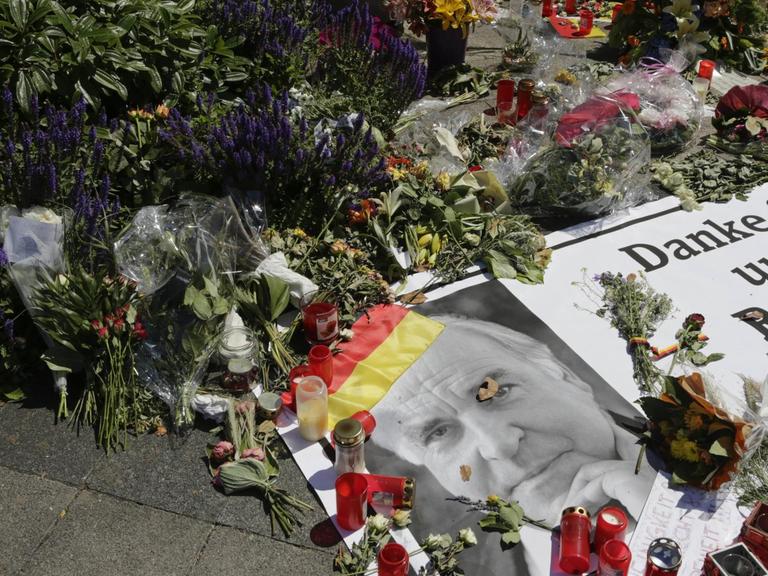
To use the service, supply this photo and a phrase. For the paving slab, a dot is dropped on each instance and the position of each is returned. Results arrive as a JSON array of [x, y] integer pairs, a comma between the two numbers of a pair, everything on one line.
[[246, 511], [30, 441], [102, 535], [29, 507], [231, 551], [151, 472]]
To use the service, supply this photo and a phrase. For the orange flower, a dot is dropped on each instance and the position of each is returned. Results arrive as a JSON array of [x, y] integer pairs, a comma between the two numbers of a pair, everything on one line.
[[633, 41], [162, 111]]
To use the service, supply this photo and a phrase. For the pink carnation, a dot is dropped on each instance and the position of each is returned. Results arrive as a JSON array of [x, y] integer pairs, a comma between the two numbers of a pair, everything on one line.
[[257, 453], [222, 450]]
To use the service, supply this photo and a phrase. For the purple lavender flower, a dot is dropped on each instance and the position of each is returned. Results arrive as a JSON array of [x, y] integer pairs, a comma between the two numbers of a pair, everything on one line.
[[3, 258]]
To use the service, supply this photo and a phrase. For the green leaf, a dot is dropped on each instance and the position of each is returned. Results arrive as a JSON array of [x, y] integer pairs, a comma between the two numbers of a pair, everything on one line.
[[61, 359], [499, 265], [512, 515], [718, 449], [202, 307], [111, 82], [24, 90], [510, 538], [211, 287], [279, 296], [19, 13]]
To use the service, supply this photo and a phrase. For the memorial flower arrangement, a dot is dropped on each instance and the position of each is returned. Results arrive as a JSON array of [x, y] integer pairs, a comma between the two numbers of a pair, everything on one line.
[[700, 443], [741, 120], [597, 150], [456, 14]]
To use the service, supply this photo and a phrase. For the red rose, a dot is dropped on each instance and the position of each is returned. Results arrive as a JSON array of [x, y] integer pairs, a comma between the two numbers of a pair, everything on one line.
[[695, 321], [103, 332]]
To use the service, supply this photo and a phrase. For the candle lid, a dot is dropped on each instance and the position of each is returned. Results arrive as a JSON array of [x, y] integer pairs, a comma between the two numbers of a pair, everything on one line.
[[348, 432], [706, 68], [270, 402], [409, 492], [665, 554], [580, 510], [539, 97], [615, 551], [526, 85]]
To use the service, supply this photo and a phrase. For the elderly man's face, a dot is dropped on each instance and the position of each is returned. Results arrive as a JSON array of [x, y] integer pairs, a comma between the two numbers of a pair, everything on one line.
[[526, 443]]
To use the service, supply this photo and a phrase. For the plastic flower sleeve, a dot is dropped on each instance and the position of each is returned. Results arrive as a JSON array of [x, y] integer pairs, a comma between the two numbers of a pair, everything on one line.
[[173, 376], [200, 234], [670, 109], [593, 165], [34, 246]]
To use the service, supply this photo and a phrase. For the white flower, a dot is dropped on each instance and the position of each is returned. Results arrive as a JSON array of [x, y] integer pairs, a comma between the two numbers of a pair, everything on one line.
[[378, 523], [401, 518], [433, 542], [467, 537], [346, 334], [41, 214]]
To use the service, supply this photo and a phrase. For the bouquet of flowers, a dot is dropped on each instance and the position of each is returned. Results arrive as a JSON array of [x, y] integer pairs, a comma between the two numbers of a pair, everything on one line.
[[700, 442], [457, 14], [670, 110], [94, 324], [741, 120], [593, 165]]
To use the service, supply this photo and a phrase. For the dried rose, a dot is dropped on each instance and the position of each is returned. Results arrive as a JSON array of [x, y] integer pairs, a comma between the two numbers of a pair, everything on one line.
[[222, 450], [694, 321], [256, 453]]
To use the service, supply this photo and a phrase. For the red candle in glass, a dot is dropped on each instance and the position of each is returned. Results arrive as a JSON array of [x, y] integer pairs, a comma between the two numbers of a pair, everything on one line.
[[611, 525], [546, 8], [585, 22], [321, 319], [367, 420], [614, 559], [505, 91], [616, 11], [394, 491], [321, 363], [393, 560], [351, 500], [524, 95], [706, 69], [570, 6], [574, 540]]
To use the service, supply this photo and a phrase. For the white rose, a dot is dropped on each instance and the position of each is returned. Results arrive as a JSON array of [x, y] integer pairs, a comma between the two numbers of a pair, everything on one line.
[[379, 523], [41, 214], [467, 537]]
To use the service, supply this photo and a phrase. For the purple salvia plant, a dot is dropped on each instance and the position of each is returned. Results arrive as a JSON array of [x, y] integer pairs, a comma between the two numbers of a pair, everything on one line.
[[256, 147]]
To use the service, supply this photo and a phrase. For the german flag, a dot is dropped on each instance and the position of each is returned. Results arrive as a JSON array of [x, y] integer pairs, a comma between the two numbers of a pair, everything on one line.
[[386, 341]]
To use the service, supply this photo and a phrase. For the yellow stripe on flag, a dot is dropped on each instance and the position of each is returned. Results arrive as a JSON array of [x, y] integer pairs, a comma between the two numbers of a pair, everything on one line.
[[373, 376]]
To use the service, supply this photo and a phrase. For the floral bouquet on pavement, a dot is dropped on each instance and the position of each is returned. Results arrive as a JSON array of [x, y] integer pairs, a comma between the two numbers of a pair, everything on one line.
[[447, 13], [701, 443]]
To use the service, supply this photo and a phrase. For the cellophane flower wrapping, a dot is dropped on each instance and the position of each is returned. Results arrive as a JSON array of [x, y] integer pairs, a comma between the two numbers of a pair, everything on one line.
[[670, 109], [200, 234], [593, 164]]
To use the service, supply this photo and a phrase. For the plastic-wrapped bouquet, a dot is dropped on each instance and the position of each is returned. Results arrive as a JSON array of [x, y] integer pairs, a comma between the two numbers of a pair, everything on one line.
[[594, 164], [670, 110]]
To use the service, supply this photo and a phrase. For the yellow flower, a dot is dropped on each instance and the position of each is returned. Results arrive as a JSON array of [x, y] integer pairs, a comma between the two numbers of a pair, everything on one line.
[[339, 247], [397, 173], [421, 170], [493, 500], [443, 181], [299, 233], [162, 111], [682, 449], [455, 13], [139, 113]]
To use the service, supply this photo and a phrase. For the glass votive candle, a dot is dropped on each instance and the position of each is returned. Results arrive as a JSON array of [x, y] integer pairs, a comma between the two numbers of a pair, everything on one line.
[[505, 91], [546, 8], [312, 408], [574, 540], [616, 11], [351, 500], [367, 420], [614, 559], [585, 22], [393, 560], [570, 6], [737, 565], [321, 363], [321, 318], [611, 525], [761, 522], [706, 69], [505, 113]]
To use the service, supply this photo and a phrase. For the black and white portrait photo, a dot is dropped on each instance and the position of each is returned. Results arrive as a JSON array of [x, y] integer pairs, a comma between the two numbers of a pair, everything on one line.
[[553, 436]]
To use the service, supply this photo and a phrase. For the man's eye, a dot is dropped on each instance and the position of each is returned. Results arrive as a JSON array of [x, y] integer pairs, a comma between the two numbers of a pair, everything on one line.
[[504, 391], [437, 433]]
